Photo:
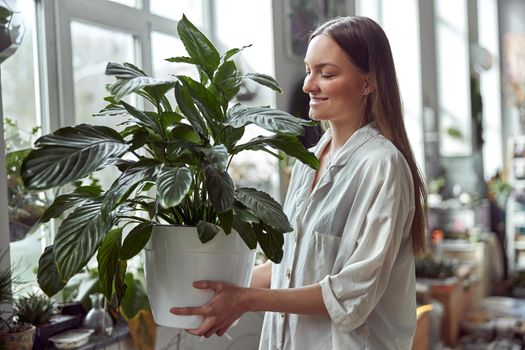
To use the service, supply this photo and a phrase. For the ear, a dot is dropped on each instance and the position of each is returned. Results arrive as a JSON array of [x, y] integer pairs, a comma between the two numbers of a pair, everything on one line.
[[368, 85]]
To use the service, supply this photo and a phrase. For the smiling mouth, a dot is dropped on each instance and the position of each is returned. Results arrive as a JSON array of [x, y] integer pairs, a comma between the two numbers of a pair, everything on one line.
[[317, 99]]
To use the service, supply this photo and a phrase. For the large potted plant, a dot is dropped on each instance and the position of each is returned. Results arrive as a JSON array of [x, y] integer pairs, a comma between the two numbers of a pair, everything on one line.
[[173, 163]]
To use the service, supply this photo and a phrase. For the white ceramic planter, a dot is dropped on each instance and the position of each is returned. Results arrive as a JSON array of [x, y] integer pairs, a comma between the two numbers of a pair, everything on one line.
[[175, 258]]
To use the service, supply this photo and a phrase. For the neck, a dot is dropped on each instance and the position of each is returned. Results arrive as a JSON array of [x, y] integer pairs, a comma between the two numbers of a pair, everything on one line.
[[342, 131]]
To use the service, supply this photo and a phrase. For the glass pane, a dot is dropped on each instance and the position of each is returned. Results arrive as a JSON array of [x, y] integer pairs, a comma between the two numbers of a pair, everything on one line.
[[166, 46], [131, 3], [404, 40], [19, 80], [174, 9], [21, 118], [453, 78], [93, 47]]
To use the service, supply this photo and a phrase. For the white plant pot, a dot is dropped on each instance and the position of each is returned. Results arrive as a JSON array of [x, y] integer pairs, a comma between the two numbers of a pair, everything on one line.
[[175, 258]]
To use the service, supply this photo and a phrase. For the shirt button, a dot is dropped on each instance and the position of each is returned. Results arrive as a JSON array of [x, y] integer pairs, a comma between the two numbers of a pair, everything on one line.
[[281, 314], [288, 273], [296, 237]]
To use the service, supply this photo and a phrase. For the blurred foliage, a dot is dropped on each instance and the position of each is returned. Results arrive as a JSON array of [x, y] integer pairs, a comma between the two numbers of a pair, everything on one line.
[[430, 266]]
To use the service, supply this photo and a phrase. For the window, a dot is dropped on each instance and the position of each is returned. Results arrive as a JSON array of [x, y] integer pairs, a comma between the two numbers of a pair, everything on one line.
[[174, 10], [22, 116], [93, 47], [453, 77], [79, 37], [404, 41]]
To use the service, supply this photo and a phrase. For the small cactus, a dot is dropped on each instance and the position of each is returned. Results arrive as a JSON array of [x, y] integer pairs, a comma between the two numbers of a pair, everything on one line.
[[35, 308]]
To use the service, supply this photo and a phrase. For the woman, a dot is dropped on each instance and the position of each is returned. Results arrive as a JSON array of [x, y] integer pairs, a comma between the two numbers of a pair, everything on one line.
[[347, 279]]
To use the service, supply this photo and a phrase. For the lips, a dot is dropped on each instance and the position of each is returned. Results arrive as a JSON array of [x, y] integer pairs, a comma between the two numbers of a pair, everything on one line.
[[316, 99]]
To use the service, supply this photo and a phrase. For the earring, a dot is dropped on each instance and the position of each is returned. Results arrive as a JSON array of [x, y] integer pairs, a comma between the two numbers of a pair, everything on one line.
[[365, 91]]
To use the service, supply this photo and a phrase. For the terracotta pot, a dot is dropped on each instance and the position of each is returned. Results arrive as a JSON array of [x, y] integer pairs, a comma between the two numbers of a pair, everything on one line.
[[18, 341]]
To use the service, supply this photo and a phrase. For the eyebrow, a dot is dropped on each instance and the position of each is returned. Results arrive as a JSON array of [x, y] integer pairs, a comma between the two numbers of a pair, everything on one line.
[[324, 64]]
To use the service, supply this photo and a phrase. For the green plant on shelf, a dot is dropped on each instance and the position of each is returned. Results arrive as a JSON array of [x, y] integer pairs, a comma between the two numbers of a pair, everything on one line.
[[35, 308]]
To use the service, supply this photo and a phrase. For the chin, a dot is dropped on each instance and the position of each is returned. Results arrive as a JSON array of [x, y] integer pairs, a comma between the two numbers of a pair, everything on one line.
[[318, 117]]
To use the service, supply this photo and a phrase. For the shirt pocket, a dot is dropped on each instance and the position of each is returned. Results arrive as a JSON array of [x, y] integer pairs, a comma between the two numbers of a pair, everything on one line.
[[322, 251]]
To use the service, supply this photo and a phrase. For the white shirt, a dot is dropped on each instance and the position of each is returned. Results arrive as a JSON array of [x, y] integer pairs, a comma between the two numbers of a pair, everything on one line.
[[351, 235]]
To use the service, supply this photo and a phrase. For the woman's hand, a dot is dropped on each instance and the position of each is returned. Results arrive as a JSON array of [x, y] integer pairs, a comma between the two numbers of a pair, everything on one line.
[[227, 305]]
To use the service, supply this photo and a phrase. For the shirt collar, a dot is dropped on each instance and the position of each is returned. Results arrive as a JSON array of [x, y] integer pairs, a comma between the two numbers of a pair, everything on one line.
[[351, 145]]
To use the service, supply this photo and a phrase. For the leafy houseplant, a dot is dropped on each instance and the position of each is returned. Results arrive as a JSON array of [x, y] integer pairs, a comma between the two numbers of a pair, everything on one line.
[[35, 308], [179, 153], [14, 333]]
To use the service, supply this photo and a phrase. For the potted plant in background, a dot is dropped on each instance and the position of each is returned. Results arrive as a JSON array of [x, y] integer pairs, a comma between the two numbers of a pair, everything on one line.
[[173, 163], [14, 334], [39, 310]]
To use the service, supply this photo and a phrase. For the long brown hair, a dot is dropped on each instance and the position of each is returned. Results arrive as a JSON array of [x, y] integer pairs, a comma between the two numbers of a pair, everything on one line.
[[368, 48]]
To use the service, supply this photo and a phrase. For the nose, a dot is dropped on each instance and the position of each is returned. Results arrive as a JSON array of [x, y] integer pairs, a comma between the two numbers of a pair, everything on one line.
[[309, 84]]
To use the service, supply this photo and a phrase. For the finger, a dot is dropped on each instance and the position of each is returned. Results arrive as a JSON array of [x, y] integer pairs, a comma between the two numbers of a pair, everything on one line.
[[203, 329], [211, 332], [195, 332], [187, 311], [220, 332], [214, 285]]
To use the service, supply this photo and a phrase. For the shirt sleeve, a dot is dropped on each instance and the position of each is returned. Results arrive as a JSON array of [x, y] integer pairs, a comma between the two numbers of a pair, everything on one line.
[[381, 213]]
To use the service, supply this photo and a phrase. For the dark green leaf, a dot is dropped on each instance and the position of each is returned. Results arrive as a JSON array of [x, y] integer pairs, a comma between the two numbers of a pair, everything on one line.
[[169, 119], [144, 119], [185, 103], [228, 80], [70, 154], [120, 281], [271, 242], [139, 139], [264, 207], [158, 91], [172, 185], [207, 231], [230, 136], [141, 171], [123, 164], [78, 238], [111, 110], [286, 143], [230, 53], [226, 220], [178, 147], [185, 132], [243, 213], [182, 59], [267, 118], [67, 201], [107, 259], [198, 46], [5, 13], [245, 230], [123, 87], [124, 71], [265, 80], [206, 100], [136, 240], [48, 278], [216, 156], [132, 129], [220, 188]]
